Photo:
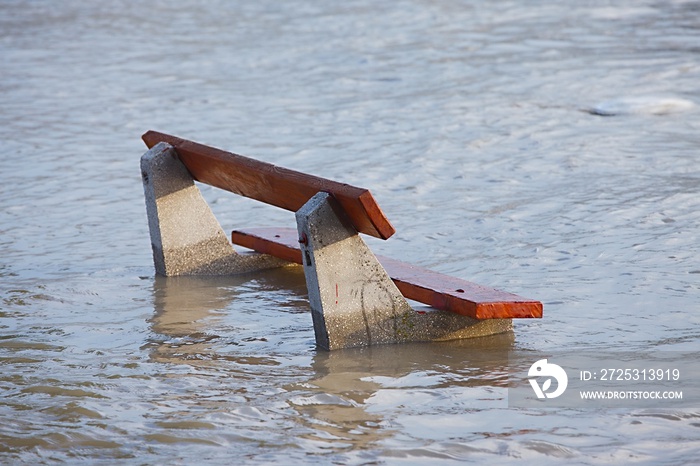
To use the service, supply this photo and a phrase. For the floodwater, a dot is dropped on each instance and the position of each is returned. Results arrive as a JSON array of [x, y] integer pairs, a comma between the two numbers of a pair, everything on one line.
[[550, 149]]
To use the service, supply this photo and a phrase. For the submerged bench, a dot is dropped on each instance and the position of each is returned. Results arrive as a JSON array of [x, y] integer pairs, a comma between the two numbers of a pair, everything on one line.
[[356, 298]]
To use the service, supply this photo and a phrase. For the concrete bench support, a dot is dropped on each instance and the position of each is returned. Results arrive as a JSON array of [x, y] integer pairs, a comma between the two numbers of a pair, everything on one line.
[[186, 238], [353, 300]]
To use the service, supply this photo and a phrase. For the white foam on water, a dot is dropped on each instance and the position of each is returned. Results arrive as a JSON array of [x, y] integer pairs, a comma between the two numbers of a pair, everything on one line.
[[642, 106]]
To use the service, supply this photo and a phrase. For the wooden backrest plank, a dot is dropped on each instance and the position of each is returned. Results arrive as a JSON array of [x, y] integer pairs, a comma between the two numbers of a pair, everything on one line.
[[265, 182], [416, 283]]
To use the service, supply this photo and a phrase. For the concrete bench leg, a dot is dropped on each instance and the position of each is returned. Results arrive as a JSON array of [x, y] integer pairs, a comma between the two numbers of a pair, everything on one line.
[[353, 300], [185, 236]]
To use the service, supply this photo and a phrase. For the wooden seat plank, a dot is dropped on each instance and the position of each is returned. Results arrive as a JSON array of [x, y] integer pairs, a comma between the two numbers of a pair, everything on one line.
[[274, 185], [419, 284]]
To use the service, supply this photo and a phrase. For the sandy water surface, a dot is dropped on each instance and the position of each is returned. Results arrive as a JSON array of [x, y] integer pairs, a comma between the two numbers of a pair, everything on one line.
[[548, 149]]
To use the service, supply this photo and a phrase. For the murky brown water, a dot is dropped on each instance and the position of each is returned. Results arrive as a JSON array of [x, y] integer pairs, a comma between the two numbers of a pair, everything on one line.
[[476, 125]]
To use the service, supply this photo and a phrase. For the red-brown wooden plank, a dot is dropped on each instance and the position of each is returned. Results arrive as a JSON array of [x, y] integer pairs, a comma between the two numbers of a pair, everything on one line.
[[278, 242], [419, 284], [274, 185]]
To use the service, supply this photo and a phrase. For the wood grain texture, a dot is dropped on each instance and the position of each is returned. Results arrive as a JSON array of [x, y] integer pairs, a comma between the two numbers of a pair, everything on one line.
[[419, 284], [274, 185]]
